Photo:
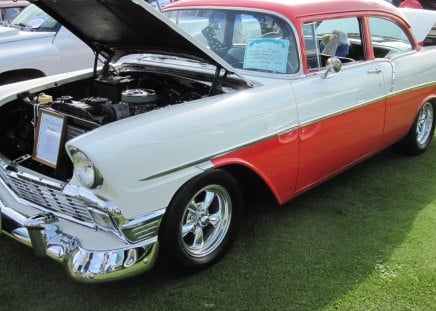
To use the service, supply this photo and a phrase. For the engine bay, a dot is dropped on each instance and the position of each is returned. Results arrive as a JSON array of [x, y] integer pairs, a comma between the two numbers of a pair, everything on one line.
[[88, 104]]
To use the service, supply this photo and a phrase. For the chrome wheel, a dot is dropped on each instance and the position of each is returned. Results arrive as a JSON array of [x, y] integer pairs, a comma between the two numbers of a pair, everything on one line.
[[424, 124], [205, 221], [201, 221], [421, 133]]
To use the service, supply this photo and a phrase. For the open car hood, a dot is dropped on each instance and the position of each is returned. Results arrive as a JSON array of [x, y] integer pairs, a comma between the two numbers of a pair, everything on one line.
[[421, 21], [115, 28]]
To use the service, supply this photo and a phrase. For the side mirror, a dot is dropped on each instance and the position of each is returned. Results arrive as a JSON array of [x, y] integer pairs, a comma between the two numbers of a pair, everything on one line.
[[334, 64]]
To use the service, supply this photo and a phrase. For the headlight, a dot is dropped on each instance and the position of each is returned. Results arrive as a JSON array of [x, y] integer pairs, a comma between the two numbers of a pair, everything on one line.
[[85, 170]]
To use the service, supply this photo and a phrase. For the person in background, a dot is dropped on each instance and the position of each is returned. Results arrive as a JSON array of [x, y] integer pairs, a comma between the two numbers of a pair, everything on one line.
[[8, 14], [414, 4]]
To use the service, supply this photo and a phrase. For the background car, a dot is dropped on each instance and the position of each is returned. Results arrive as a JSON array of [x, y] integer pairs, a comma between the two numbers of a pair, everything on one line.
[[36, 45]]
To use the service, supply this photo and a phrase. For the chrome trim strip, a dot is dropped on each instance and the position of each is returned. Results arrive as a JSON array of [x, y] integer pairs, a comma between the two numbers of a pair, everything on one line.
[[202, 163], [414, 88], [143, 227], [394, 77], [343, 111], [143, 219]]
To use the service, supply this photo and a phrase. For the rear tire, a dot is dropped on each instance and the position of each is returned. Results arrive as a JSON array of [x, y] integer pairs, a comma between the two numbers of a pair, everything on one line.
[[201, 221], [421, 134]]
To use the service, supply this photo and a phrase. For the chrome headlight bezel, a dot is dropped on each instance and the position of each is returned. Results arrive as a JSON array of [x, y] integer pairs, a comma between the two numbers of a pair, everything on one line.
[[85, 170]]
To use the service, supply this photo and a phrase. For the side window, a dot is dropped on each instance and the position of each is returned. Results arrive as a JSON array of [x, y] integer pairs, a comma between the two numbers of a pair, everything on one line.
[[340, 37], [262, 42], [388, 39]]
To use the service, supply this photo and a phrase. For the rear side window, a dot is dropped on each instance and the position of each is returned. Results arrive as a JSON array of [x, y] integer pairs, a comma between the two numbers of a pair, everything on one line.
[[388, 38]]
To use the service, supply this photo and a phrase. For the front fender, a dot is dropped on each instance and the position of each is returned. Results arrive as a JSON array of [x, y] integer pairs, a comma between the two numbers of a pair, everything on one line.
[[146, 158]]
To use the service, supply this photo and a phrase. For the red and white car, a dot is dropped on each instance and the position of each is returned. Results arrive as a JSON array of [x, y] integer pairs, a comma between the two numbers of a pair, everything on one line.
[[100, 169]]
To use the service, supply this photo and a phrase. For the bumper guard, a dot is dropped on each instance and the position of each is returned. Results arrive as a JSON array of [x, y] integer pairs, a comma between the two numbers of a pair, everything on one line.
[[42, 233]]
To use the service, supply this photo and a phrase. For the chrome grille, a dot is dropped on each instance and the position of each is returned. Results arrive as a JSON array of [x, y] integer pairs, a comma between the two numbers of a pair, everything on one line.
[[48, 197]]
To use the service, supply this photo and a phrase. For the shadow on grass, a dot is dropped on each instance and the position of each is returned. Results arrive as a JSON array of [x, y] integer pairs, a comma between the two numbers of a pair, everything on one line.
[[301, 256]]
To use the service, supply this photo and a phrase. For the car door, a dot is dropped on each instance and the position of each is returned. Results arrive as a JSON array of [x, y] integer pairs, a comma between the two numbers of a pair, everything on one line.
[[341, 115]]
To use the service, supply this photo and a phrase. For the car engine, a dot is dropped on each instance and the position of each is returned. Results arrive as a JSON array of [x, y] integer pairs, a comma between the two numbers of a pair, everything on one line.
[[86, 105]]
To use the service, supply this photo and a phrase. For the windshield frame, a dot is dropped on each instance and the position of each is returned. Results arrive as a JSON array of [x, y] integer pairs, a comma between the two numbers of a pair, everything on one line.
[[32, 18], [201, 15]]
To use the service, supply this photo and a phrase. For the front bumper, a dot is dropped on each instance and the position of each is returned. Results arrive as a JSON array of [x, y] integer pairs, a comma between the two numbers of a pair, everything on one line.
[[42, 232]]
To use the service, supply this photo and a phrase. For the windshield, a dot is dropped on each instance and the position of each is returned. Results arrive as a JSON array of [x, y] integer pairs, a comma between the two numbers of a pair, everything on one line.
[[247, 40], [34, 19]]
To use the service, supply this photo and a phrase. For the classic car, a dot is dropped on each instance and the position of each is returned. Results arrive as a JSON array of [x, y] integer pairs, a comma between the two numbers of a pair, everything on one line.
[[36, 45], [104, 169]]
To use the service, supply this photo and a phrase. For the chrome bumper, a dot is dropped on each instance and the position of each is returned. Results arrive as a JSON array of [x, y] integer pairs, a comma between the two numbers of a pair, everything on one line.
[[42, 233]]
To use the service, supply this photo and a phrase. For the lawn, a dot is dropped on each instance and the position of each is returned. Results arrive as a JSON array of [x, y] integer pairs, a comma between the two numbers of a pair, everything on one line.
[[366, 240]]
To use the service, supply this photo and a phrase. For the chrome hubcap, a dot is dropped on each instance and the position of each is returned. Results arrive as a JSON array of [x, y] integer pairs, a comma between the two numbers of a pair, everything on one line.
[[206, 220], [425, 124]]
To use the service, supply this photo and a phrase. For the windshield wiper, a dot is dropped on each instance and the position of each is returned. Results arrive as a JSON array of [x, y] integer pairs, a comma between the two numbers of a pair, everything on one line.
[[22, 26]]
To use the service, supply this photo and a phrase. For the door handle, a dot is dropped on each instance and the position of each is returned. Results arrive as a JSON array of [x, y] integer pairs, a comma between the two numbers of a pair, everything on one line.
[[375, 70]]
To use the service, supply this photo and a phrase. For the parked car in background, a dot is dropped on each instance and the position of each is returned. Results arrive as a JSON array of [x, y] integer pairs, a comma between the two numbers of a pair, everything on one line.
[[36, 45], [101, 170]]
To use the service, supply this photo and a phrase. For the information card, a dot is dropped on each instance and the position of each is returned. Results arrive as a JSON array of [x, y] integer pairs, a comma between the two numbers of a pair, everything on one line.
[[266, 54], [49, 133]]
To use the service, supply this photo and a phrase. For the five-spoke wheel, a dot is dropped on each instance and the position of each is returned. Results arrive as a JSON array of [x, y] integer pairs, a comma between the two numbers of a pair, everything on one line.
[[201, 221], [206, 220], [421, 134]]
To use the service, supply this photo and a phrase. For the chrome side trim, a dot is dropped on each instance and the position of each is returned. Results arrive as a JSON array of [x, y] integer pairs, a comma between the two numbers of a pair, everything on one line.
[[203, 163], [343, 111], [410, 89], [143, 227]]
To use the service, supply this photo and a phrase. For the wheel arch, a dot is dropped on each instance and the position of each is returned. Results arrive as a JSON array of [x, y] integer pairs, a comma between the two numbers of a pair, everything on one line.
[[250, 180]]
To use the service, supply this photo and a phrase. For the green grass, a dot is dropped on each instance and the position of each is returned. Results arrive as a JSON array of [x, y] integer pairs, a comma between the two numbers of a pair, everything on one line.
[[365, 240]]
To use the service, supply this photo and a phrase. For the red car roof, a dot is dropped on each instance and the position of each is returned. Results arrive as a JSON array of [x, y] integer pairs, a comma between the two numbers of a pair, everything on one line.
[[295, 8]]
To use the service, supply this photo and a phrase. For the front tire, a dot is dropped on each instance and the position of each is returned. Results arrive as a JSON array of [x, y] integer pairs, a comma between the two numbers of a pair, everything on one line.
[[201, 221], [421, 134]]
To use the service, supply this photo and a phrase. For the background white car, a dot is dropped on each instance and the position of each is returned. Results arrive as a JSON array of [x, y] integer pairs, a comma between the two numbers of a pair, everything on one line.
[[35, 45]]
